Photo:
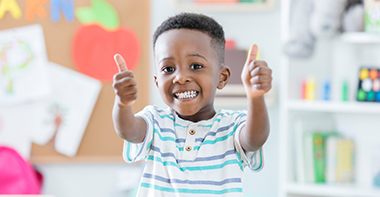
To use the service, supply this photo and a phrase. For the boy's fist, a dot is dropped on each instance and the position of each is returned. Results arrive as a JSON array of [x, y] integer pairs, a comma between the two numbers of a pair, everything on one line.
[[124, 84], [256, 75]]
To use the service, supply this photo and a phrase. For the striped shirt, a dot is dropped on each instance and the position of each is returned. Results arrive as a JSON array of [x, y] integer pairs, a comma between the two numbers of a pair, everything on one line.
[[187, 159]]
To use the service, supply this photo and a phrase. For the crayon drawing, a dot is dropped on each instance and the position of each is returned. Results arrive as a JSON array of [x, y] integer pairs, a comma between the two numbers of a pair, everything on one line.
[[56, 118], [15, 58], [23, 63], [63, 117]]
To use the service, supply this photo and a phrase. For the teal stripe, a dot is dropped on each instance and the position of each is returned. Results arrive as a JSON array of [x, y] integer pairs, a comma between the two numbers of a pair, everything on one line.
[[178, 125], [161, 116], [210, 125], [191, 191], [152, 125], [128, 149], [165, 116], [218, 119], [195, 148], [150, 143], [241, 161], [195, 168], [219, 139], [261, 161], [163, 138]]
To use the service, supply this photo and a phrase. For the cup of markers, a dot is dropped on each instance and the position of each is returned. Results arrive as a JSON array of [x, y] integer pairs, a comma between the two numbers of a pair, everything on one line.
[[369, 85]]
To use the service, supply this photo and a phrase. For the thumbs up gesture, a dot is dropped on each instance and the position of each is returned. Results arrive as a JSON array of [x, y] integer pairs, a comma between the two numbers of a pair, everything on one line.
[[124, 83], [256, 75]]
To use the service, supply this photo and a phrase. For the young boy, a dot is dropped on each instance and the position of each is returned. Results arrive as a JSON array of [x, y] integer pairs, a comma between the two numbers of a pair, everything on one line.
[[190, 149]]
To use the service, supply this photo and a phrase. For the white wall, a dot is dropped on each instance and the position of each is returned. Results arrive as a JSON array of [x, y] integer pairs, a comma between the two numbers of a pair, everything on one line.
[[102, 179]]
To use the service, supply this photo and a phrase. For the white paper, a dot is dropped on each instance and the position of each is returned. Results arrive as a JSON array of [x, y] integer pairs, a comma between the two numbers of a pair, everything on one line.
[[16, 125], [23, 63], [67, 111]]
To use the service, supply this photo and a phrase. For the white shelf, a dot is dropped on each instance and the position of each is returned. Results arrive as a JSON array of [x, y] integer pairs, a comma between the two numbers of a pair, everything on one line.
[[360, 38], [334, 106], [223, 7], [332, 190]]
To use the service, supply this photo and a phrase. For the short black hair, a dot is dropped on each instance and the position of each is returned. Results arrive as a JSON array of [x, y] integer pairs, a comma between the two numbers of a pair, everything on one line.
[[198, 22]]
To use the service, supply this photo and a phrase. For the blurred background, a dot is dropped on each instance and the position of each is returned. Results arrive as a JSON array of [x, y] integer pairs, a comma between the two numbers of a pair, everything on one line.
[[56, 96]]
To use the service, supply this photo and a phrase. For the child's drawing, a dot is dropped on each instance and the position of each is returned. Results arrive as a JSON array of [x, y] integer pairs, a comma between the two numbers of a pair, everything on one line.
[[56, 118], [23, 63], [62, 119], [15, 58]]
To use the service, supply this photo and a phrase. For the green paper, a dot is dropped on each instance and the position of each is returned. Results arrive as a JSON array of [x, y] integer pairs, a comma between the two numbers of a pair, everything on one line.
[[100, 12], [319, 150]]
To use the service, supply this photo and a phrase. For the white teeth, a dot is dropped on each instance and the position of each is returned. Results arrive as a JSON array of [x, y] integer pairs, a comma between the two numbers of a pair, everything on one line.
[[186, 95]]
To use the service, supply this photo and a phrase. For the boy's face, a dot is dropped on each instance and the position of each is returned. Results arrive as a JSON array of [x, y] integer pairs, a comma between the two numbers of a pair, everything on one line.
[[188, 72]]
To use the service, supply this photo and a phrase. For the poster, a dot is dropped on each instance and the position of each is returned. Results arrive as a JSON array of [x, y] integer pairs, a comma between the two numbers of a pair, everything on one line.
[[23, 63], [62, 118]]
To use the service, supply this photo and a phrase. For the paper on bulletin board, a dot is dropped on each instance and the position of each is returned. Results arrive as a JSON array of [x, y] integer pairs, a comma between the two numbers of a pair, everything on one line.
[[16, 125], [62, 119], [23, 63]]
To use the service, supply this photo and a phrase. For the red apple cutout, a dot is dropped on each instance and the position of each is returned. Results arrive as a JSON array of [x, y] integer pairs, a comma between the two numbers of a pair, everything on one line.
[[95, 43], [94, 48]]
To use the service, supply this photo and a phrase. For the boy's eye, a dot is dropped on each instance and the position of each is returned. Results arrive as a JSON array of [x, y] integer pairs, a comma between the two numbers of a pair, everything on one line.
[[196, 66], [168, 69]]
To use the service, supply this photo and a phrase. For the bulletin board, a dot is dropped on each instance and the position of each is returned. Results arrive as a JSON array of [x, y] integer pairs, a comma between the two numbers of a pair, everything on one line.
[[100, 142]]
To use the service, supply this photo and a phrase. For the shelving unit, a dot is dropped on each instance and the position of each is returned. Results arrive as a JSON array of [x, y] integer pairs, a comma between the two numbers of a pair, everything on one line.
[[360, 38], [337, 59], [189, 5], [334, 107], [328, 190]]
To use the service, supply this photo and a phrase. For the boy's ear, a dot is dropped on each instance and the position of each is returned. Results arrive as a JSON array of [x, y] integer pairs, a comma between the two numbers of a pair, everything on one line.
[[224, 76], [155, 80]]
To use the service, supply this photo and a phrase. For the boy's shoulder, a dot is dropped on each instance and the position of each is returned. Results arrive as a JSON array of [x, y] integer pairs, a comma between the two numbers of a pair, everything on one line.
[[154, 110], [229, 112], [227, 115]]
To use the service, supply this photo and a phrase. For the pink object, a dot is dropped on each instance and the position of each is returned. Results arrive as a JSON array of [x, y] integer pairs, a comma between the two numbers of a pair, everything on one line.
[[303, 89], [230, 44], [17, 176]]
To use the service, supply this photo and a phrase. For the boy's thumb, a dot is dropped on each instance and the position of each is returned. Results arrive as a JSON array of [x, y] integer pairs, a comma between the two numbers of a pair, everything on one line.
[[120, 63], [252, 54]]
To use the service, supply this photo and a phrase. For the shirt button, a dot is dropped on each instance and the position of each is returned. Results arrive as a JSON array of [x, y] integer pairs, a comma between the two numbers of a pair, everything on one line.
[[192, 131], [188, 148]]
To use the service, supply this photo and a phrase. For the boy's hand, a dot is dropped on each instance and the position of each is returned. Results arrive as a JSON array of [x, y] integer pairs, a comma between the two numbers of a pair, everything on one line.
[[124, 84], [256, 75]]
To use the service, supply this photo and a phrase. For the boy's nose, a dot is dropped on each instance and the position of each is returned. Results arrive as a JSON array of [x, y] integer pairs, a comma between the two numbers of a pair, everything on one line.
[[181, 78]]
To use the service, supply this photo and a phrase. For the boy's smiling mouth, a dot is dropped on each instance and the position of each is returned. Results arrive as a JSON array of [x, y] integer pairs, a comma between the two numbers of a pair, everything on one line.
[[186, 94]]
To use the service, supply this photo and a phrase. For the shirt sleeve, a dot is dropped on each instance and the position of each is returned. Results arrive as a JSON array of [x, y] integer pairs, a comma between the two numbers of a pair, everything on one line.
[[136, 152], [254, 160]]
